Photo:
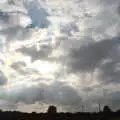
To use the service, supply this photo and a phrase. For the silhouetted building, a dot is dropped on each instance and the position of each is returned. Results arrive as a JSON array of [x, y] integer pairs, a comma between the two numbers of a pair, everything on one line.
[[52, 109]]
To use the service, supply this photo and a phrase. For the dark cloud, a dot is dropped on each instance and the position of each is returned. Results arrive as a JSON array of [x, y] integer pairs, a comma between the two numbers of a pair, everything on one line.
[[110, 72], [4, 17], [89, 57]]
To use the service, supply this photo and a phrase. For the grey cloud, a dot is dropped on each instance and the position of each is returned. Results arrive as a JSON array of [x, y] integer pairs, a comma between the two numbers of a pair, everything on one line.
[[11, 2], [111, 99], [12, 33], [61, 93], [27, 95], [110, 72], [43, 53], [56, 93], [3, 79], [18, 66], [105, 23], [22, 69], [89, 57], [69, 29], [114, 99], [100, 59], [11, 19], [16, 33], [108, 2], [118, 9], [11, 26], [22, 94], [4, 17], [5, 105]]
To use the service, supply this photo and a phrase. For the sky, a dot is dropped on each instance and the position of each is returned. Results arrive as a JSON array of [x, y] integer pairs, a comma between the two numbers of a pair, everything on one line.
[[59, 52]]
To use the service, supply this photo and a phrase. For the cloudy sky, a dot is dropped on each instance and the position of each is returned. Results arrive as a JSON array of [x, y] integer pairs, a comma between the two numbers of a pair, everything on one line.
[[59, 52]]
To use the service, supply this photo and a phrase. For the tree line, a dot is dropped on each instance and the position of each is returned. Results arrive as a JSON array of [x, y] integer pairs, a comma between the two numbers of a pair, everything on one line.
[[52, 114]]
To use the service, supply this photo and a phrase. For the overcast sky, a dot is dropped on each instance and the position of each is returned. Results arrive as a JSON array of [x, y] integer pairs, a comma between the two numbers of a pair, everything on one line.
[[60, 52]]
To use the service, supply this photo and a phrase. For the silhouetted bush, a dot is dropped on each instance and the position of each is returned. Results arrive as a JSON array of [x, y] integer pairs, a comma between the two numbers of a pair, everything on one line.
[[107, 109]]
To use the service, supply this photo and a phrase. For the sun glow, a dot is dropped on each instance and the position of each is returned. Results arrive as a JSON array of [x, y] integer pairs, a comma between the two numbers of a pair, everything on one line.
[[44, 67], [37, 70]]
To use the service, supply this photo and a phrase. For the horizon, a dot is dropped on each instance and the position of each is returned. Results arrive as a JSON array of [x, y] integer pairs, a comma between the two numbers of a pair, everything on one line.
[[55, 110]]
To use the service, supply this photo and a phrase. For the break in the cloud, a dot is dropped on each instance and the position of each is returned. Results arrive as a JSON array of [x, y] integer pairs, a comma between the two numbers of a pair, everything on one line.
[[59, 52], [37, 14]]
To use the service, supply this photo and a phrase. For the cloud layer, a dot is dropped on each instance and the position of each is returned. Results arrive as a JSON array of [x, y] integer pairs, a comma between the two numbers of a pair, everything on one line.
[[59, 52]]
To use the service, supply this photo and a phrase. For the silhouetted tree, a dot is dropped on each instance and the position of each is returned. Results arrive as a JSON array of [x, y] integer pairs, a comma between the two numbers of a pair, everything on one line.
[[52, 109], [107, 109], [118, 110]]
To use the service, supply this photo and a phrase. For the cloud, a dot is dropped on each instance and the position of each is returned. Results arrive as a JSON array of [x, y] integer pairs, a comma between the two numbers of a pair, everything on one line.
[[90, 56], [111, 99], [12, 33], [19, 67], [35, 54], [24, 95], [114, 99], [109, 72], [13, 19], [62, 94], [4, 18], [57, 93], [3, 79]]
